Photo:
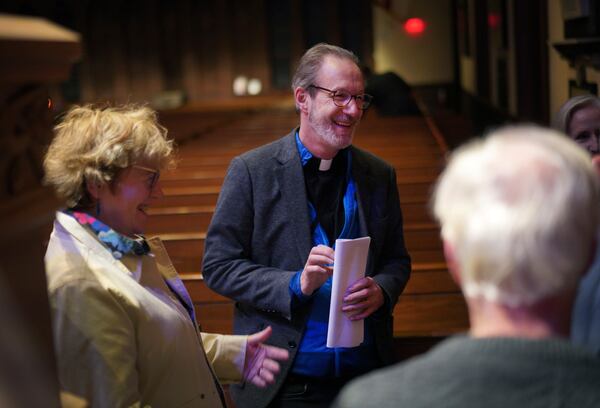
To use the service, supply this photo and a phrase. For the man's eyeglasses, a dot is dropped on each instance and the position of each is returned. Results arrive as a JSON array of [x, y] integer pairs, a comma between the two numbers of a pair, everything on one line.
[[154, 178], [341, 99]]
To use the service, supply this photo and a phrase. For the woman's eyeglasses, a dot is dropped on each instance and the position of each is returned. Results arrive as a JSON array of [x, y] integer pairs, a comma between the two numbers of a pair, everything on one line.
[[155, 175]]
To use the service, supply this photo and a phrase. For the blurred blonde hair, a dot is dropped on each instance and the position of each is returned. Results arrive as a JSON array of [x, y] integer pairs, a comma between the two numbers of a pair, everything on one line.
[[93, 144]]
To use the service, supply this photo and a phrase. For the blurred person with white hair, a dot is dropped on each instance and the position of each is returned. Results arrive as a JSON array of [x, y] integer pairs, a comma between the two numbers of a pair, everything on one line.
[[519, 214]]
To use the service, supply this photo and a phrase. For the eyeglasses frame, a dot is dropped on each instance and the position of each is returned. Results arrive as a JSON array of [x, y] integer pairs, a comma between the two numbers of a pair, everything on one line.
[[332, 94], [154, 171]]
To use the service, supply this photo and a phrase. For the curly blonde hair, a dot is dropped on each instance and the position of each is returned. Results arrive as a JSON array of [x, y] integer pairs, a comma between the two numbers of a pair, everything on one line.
[[93, 144]]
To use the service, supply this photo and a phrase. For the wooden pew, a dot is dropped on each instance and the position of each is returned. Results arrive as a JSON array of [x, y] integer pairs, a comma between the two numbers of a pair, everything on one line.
[[431, 306], [187, 248]]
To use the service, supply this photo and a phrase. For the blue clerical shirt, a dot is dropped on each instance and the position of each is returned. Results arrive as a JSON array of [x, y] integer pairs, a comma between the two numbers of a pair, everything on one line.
[[314, 358]]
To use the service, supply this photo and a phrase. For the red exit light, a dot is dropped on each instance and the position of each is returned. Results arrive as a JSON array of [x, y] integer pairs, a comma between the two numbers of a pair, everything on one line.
[[494, 20], [414, 26]]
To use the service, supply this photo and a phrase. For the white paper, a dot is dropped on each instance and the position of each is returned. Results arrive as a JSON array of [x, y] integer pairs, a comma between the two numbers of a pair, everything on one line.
[[349, 265]]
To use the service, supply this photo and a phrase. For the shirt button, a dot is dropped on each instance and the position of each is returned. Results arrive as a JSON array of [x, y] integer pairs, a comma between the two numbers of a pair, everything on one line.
[[201, 396], [292, 344]]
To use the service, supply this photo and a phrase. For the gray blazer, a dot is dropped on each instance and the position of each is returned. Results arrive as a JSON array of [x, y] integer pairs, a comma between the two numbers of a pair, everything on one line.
[[260, 237]]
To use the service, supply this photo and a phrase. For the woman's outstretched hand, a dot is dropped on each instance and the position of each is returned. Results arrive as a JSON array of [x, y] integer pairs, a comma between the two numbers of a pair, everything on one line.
[[261, 364]]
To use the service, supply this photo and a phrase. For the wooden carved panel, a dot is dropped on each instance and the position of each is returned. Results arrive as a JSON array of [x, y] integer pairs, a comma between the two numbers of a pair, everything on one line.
[[25, 131]]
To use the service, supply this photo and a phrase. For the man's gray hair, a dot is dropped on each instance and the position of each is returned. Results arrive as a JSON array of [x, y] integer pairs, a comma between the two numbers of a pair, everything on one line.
[[311, 61], [562, 120], [520, 211]]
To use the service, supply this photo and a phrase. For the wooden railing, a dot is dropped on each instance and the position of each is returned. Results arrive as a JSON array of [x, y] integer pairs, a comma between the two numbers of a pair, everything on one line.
[[36, 55]]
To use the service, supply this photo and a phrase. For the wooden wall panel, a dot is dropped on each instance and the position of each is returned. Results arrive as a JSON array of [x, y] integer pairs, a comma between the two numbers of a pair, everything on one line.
[[135, 50]]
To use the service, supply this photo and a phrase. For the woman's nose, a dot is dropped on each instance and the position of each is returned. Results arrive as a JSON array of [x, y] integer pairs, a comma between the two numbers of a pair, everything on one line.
[[157, 191], [595, 142]]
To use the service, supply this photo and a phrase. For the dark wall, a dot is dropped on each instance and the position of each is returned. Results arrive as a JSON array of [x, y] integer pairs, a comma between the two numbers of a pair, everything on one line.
[[136, 49]]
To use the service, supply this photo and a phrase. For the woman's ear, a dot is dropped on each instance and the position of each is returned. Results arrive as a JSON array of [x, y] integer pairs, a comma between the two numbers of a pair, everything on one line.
[[93, 189], [301, 97]]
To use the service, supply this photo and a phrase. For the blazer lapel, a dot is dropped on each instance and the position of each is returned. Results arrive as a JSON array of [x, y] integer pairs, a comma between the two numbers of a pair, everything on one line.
[[175, 284], [363, 181], [87, 239], [172, 279], [290, 177]]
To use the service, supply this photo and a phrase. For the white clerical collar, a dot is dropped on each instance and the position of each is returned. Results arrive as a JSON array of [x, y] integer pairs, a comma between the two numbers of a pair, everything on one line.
[[325, 164]]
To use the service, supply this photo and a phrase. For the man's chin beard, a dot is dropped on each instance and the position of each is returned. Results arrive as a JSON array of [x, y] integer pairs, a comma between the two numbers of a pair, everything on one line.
[[338, 142], [339, 145], [328, 135]]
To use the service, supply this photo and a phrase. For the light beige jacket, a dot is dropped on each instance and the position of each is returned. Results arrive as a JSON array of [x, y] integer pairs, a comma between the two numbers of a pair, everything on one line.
[[122, 338]]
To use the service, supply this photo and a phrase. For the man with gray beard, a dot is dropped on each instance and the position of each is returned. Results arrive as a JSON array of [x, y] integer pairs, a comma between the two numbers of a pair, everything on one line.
[[270, 245]]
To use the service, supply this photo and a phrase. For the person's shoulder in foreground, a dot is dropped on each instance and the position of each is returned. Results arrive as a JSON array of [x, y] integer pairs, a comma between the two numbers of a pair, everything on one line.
[[518, 236], [467, 372]]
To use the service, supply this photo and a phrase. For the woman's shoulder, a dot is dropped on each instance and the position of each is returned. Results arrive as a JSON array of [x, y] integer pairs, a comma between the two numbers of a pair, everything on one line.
[[65, 259], [71, 260]]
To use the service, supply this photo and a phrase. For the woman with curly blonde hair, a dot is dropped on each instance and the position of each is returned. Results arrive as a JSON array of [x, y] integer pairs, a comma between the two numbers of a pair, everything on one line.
[[124, 326]]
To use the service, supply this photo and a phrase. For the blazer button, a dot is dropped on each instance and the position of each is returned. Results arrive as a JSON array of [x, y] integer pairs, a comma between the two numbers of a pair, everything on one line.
[[292, 344]]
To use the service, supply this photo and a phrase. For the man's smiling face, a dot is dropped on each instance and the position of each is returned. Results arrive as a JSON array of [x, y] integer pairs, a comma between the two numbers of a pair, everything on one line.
[[335, 125]]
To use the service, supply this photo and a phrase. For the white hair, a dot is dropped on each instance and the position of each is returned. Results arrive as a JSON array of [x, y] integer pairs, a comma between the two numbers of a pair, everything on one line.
[[520, 210]]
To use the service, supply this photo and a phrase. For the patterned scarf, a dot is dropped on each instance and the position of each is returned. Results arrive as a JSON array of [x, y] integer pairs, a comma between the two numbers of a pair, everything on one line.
[[118, 244]]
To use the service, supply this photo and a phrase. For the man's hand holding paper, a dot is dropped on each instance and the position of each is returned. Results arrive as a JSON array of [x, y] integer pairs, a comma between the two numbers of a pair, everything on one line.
[[362, 298], [317, 269]]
